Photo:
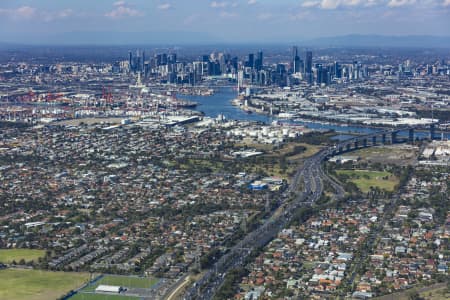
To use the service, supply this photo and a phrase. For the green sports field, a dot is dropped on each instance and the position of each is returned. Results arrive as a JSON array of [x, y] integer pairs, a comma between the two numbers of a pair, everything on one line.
[[125, 281], [364, 179], [86, 296], [7, 256], [18, 284]]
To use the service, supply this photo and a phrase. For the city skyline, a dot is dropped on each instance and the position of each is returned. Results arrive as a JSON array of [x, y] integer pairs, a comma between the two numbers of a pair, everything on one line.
[[249, 21], [224, 149]]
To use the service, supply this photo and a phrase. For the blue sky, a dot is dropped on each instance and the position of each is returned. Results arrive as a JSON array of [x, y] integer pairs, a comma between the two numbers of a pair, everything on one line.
[[223, 20]]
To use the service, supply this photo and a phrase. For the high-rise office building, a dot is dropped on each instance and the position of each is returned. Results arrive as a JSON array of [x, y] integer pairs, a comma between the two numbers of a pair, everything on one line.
[[136, 62], [143, 62], [308, 67], [158, 59], [251, 60], [356, 70], [294, 51], [130, 61], [281, 69], [172, 58], [223, 62], [116, 67], [319, 75], [323, 74], [259, 61], [240, 80], [337, 70], [308, 62], [296, 61]]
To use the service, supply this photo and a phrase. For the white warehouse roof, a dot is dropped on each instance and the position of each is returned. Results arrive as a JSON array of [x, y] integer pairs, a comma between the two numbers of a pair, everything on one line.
[[108, 289]]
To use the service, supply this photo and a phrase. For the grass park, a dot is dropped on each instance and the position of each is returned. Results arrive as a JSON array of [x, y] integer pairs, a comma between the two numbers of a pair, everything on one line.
[[279, 162], [400, 154], [364, 179], [438, 291], [18, 284], [88, 296], [7, 256]]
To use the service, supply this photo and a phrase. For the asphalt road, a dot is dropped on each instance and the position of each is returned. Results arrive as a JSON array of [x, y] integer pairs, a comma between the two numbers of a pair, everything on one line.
[[311, 177]]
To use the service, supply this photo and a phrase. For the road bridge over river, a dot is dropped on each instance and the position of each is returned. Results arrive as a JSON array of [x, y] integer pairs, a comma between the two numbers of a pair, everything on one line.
[[391, 136]]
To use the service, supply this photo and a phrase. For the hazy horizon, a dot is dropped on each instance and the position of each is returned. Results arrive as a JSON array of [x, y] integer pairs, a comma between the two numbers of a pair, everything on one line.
[[203, 21]]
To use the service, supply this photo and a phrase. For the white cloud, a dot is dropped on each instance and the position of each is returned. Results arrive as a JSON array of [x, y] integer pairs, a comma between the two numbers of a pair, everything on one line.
[[399, 3], [62, 14], [371, 3], [300, 16], [330, 4], [310, 4], [251, 2], [223, 4], [334, 4], [164, 6], [352, 2], [218, 4], [121, 10], [23, 12], [446, 3], [65, 13], [28, 12]]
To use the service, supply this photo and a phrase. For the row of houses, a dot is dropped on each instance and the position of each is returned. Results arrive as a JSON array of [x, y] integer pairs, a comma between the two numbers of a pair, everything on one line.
[[98, 199]]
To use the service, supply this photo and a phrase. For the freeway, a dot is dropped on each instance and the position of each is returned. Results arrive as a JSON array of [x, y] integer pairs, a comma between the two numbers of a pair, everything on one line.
[[310, 177]]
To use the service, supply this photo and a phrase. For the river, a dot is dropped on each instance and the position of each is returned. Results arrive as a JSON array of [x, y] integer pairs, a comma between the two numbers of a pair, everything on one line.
[[220, 103]]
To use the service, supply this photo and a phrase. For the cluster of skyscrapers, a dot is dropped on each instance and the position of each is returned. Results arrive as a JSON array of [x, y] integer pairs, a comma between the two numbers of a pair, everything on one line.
[[252, 70]]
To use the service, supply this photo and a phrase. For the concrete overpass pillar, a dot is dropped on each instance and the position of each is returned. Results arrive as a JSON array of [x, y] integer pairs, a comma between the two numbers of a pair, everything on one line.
[[341, 149], [364, 143], [356, 144], [349, 146], [383, 138], [374, 140]]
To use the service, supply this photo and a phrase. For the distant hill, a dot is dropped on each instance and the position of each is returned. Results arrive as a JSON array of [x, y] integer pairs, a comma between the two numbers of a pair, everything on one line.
[[416, 41], [112, 38]]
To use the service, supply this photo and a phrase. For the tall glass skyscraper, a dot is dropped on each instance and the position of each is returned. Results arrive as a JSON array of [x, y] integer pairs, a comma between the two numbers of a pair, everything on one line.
[[296, 61], [308, 67]]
